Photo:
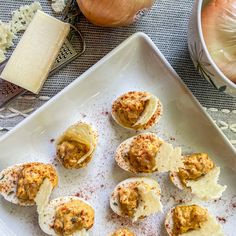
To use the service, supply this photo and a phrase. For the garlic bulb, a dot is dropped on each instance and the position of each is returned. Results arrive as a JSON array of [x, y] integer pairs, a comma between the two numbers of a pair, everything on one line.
[[113, 13], [219, 31]]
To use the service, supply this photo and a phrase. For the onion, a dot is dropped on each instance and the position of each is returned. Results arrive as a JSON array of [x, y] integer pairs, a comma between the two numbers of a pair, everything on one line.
[[112, 13], [219, 31]]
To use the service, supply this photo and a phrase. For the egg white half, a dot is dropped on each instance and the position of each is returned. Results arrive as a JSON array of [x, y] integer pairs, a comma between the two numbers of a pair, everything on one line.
[[149, 202], [210, 227], [168, 158], [153, 105], [81, 132], [47, 216], [9, 181]]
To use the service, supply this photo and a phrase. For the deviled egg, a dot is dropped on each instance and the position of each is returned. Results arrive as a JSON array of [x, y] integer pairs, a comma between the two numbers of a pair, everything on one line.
[[136, 198], [67, 216], [19, 184], [76, 145], [191, 220], [146, 153], [200, 176], [136, 110], [122, 232]]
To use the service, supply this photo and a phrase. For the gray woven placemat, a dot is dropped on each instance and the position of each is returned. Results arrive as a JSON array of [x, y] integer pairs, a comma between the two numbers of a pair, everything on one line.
[[166, 24]]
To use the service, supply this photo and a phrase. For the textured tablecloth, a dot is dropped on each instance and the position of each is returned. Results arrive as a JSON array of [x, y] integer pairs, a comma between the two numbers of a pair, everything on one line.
[[166, 24]]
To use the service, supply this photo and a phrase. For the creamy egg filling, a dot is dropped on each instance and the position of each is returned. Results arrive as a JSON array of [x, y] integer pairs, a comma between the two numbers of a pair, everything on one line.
[[30, 179], [188, 218], [123, 232], [195, 166], [138, 200], [142, 153], [129, 107], [128, 199], [72, 153], [73, 216], [209, 227]]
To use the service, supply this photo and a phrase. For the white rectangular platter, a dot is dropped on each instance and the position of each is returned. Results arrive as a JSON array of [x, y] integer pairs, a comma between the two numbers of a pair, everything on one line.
[[135, 65]]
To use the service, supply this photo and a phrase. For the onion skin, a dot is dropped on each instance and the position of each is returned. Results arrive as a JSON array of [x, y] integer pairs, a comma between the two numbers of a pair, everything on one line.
[[113, 13], [218, 42]]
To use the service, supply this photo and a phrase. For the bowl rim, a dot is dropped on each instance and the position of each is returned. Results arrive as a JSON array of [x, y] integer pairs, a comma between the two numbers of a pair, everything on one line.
[[213, 64]]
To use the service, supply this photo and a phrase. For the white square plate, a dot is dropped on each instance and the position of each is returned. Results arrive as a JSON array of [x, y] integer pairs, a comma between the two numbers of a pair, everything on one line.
[[135, 65]]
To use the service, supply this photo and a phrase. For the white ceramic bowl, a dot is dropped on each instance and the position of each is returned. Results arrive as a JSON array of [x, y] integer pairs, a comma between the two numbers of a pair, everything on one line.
[[200, 55]]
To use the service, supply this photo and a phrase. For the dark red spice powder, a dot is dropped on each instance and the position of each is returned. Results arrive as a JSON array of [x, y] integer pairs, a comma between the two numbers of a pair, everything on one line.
[[105, 113], [81, 195], [52, 140], [221, 219], [54, 161]]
